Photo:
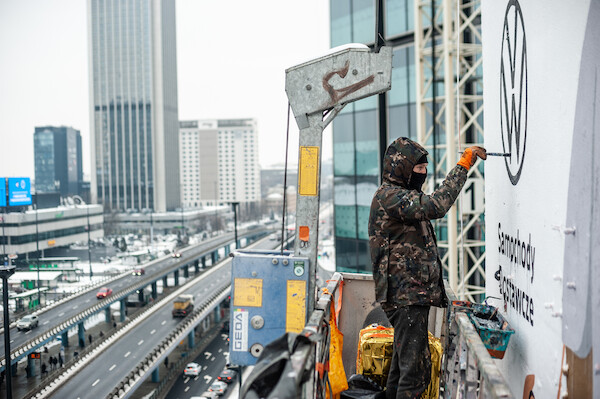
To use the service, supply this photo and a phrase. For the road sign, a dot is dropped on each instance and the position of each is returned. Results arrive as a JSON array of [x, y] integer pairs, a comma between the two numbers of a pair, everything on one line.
[[19, 191]]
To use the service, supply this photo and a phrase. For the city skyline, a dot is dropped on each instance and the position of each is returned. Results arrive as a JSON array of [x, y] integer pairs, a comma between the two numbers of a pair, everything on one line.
[[243, 53]]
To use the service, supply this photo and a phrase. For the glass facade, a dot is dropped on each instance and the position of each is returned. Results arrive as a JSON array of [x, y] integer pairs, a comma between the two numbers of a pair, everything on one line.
[[356, 129], [129, 137], [58, 160]]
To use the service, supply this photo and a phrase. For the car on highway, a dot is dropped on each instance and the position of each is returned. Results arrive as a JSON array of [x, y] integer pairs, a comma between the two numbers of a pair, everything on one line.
[[219, 387], [176, 255], [192, 370], [227, 375], [225, 327], [206, 395], [28, 322], [104, 292], [139, 271]]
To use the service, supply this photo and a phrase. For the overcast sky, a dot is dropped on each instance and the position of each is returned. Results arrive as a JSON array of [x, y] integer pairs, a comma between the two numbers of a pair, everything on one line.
[[231, 61]]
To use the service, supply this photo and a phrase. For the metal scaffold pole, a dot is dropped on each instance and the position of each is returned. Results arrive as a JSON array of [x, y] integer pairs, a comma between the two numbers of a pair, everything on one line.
[[448, 61]]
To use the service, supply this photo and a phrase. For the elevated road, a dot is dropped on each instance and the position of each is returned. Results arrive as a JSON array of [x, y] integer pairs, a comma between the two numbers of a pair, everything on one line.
[[100, 375], [56, 320]]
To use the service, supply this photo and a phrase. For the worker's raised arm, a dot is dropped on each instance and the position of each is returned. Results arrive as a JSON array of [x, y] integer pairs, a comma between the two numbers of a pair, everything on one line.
[[409, 204]]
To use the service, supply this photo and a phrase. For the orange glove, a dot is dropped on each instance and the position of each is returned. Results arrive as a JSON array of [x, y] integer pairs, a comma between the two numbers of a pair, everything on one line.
[[470, 155]]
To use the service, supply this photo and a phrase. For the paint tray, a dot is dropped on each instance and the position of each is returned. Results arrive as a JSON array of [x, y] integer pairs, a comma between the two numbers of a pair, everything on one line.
[[492, 327]]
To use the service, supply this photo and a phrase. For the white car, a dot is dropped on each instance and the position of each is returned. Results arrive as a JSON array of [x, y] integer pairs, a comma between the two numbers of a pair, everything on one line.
[[28, 322], [206, 395], [192, 370], [219, 387]]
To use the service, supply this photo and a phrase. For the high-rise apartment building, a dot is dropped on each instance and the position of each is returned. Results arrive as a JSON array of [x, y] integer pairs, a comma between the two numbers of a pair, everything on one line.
[[219, 161], [133, 104], [58, 160]]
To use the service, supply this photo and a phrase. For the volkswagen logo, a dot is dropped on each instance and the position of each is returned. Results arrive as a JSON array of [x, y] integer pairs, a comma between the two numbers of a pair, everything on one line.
[[513, 90]]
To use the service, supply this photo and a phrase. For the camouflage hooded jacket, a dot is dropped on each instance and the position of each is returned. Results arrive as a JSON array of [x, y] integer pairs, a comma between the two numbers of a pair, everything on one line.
[[406, 265]]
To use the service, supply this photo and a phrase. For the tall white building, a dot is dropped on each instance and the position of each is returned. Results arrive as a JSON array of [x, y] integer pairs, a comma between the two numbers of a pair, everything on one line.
[[133, 104], [218, 161]]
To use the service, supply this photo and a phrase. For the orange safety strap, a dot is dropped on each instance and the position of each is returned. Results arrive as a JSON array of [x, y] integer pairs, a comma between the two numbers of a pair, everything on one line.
[[338, 306]]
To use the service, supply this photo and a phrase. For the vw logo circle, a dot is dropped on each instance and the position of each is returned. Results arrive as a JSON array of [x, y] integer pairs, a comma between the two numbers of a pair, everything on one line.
[[513, 90]]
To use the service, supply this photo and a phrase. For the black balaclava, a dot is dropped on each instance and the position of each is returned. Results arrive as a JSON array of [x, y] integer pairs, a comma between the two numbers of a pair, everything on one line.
[[417, 179]]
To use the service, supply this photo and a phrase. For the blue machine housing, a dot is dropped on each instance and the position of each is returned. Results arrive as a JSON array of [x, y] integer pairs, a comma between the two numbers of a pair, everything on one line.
[[268, 298]]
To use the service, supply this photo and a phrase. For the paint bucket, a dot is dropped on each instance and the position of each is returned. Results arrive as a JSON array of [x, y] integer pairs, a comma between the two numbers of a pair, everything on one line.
[[492, 327]]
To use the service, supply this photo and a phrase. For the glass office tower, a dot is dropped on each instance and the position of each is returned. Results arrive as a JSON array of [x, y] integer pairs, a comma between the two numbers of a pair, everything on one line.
[[58, 162], [356, 134], [356, 131], [133, 93], [362, 131]]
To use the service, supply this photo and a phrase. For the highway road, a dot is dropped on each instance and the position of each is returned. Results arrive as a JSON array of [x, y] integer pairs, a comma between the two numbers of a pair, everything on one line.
[[212, 361], [63, 312], [99, 377]]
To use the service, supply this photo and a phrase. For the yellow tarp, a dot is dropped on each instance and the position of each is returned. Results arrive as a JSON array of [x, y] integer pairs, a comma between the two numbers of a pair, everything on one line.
[[374, 357]]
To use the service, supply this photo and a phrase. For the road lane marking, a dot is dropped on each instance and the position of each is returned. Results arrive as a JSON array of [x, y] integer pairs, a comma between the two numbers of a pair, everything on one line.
[[141, 342], [185, 380], [87, 300], [61, 314], [186, 389], [163, 323], [28, 331], [95, 382], [127, 354], [112, 367], [152, 332], [208, 355], [212, 359], [46, 322], [75, 307]]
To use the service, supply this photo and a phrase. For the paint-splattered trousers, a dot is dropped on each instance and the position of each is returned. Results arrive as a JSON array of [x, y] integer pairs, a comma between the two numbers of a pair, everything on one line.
[[410, 371]]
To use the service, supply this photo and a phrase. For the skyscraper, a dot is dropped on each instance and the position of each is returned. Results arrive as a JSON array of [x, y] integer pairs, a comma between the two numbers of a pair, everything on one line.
[[133, 93], [58, 162]]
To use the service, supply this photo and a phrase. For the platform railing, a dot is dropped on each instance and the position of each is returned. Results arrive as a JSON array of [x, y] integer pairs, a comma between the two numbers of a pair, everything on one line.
[[468, 370]]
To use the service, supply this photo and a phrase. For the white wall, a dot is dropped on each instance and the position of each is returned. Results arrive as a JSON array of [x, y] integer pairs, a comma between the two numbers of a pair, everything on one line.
[[533, 207]]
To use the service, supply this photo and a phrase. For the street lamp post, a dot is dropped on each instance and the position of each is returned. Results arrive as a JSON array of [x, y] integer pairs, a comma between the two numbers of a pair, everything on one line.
[[5, 273], [182, 222], [37, 249], [87, 208], [80, 200], [151, 231], [4, 238], [235, 205]]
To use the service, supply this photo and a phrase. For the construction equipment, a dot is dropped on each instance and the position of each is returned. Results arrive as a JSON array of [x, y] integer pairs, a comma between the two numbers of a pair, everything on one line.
[[317, 91]]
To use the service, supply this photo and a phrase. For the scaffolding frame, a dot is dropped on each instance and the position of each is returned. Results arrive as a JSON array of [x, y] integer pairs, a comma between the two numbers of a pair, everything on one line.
[[447, 58]]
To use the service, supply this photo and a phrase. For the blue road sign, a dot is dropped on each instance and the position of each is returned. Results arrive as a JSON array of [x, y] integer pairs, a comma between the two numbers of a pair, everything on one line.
[[2, 192], [19, 191]]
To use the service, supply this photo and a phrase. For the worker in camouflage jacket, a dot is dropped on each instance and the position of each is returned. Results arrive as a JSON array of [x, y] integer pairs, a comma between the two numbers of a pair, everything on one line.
[[406, 265]]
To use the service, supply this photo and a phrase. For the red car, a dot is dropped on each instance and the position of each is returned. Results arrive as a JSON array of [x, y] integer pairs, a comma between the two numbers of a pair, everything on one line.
[[104, 292], [138, 272]]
